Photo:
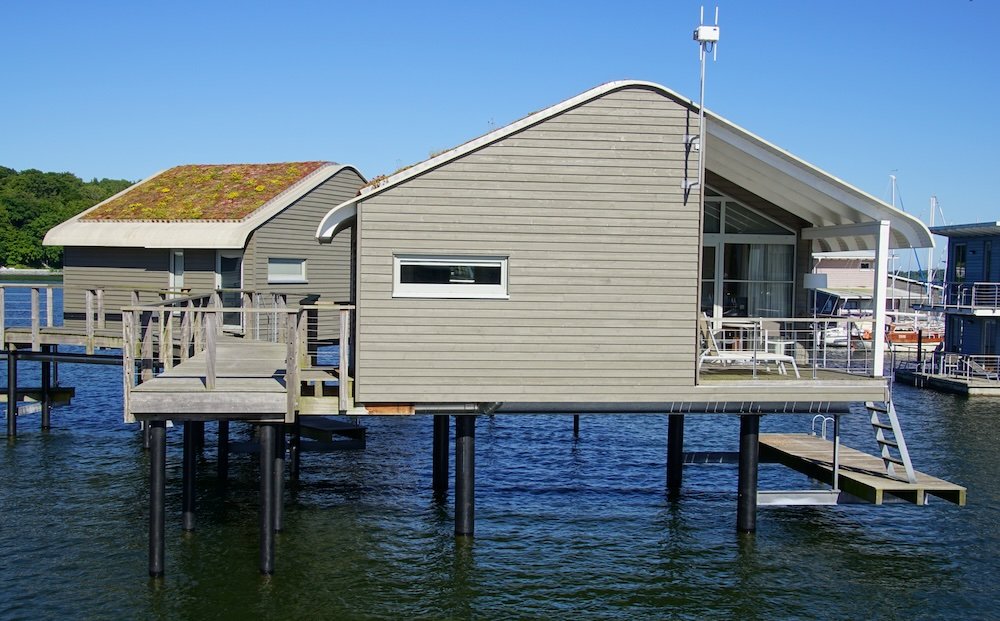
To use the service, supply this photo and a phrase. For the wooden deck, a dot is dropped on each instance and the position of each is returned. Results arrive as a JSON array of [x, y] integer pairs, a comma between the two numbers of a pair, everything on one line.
[[860, 474], [250, 382]]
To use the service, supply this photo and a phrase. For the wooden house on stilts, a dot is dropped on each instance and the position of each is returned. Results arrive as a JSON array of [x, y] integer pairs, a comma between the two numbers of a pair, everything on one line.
[[572, 262]]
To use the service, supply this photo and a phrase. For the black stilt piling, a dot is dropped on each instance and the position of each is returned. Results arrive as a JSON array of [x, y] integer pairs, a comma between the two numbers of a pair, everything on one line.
[[746, 501], [46, 391], [157, 495], [675, 452], [189, 466], [279, 477], [295, 448], [576, 425], [222, 451], [465, 475], [439, 474], [11, 394], [266, 438]]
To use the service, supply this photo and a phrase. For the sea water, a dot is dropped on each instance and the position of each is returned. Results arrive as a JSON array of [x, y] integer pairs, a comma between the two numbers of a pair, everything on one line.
[[566, 527]]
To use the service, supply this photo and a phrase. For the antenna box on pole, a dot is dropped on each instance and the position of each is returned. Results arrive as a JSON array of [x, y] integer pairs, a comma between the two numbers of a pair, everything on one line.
[[706, 34]]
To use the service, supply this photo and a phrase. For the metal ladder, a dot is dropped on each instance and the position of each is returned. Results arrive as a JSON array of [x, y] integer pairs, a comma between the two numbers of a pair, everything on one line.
[[887, 444]]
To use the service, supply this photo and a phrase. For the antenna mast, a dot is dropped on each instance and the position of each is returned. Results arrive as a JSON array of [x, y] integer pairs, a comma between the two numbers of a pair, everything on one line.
[[707, 38]]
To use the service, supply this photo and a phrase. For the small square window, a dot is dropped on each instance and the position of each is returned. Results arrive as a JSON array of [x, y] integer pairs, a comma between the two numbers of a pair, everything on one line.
[[287, 271], [435, 276]]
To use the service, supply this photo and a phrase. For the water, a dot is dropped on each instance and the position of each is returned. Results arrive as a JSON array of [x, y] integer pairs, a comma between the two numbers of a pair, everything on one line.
[[565, 528]]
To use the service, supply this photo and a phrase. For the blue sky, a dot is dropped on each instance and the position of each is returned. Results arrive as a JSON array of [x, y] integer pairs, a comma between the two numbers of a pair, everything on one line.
[[861, 89]]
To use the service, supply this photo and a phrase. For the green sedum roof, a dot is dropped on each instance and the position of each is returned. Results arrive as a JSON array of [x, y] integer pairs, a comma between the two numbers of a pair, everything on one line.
[[204, 192]]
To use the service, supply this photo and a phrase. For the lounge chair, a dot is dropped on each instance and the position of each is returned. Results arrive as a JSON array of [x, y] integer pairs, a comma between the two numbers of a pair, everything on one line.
[[713, 354]]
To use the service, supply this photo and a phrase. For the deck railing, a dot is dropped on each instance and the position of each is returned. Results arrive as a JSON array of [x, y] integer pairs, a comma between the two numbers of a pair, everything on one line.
[[965, 295], [800, 348], [157, 337], [962, 366]]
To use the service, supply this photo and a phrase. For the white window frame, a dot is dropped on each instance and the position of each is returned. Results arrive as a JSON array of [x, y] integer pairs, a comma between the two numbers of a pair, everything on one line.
[[449, 290], [175, 279], [300, 279]]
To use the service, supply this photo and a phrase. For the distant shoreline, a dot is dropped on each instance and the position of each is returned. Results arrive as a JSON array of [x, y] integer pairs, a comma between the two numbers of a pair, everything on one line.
[[18, 274]]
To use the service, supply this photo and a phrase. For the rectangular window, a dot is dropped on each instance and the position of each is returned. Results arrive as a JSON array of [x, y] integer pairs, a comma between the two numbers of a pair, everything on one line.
[[287, 271], [432, 276], [958, 262]]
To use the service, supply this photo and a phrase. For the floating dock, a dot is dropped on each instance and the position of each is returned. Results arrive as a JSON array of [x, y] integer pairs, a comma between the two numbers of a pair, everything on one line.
[[859, 474]]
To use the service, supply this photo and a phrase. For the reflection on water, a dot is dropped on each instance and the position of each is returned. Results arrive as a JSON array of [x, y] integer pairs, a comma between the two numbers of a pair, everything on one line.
[[565, 527]]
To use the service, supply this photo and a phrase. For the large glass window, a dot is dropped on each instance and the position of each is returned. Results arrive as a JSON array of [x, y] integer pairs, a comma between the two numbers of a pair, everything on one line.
[[748, 262], [423, 276]]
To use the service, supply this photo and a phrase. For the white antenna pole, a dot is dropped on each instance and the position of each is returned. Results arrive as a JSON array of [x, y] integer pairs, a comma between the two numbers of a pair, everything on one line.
[[707, 37]]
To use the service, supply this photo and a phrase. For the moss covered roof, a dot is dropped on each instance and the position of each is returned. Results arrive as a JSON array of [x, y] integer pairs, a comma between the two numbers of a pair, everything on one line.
[[204, 192]]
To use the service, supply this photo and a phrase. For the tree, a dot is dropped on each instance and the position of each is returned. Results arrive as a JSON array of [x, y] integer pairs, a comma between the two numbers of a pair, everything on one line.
[[32, 202]]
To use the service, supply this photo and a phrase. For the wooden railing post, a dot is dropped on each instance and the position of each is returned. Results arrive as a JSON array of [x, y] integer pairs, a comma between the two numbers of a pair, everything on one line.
[[89, 321], [128, 362], [146, 349], [292, 384], [100, 310], [49, 312], [186, 330], [211, 321], [35, 321], [217, 303], [344, 347]]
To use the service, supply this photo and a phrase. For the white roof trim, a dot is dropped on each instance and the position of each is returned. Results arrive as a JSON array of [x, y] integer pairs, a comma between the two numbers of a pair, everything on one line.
[[337, 219], [782, 178], [196, 235]]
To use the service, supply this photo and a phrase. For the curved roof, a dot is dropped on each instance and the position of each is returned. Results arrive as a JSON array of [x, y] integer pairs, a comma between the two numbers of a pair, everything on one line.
[[732, 152], [223, 223]]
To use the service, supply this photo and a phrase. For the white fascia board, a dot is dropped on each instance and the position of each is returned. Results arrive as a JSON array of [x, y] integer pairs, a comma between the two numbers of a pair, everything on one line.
[[183, 234], [337, 219]]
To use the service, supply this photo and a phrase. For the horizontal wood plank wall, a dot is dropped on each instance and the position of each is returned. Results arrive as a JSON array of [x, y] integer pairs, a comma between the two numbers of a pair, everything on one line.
[[292, 235], [603, 255], [114, 269]]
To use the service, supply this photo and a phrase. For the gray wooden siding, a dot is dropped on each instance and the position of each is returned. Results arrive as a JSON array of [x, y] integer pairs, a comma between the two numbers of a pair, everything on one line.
[[292, 234], [116, 270], [603, 255], [119, 270]]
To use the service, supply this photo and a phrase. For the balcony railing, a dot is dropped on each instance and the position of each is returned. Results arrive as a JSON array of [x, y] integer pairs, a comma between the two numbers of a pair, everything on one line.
[[966, 296], [791, 348]]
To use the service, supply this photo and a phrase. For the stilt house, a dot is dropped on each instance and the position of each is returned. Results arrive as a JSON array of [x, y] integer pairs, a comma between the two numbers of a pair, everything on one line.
[[565, 263], [199, 228], [971, 301]]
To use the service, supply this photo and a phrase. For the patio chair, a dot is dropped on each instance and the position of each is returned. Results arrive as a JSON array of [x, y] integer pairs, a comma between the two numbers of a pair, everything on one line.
[[713, 354]]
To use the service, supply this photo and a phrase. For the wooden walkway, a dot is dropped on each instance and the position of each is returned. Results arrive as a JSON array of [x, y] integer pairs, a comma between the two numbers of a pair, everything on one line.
[[860, 474], [250, 382]]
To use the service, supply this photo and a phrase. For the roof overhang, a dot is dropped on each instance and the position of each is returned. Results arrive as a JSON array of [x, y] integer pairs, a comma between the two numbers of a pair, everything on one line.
[[842, 216], [183, 234], [978, 229]]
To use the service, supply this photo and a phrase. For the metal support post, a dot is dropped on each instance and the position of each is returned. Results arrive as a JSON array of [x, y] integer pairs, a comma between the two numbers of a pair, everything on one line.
[[188, 467], [266, 439], [746, 501], [279, 477], [576, 425], [46, 391], [295, 448], [11, 394], [222, 451], [439, 455], [157, 495], [675, 452], [465, 475], [836, 452]]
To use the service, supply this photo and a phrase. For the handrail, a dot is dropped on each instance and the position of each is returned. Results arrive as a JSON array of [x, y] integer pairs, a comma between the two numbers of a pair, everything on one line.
[[150, 344]]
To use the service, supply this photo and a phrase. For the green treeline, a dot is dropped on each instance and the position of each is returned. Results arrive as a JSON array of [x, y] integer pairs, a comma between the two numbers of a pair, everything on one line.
[[32, 202]]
